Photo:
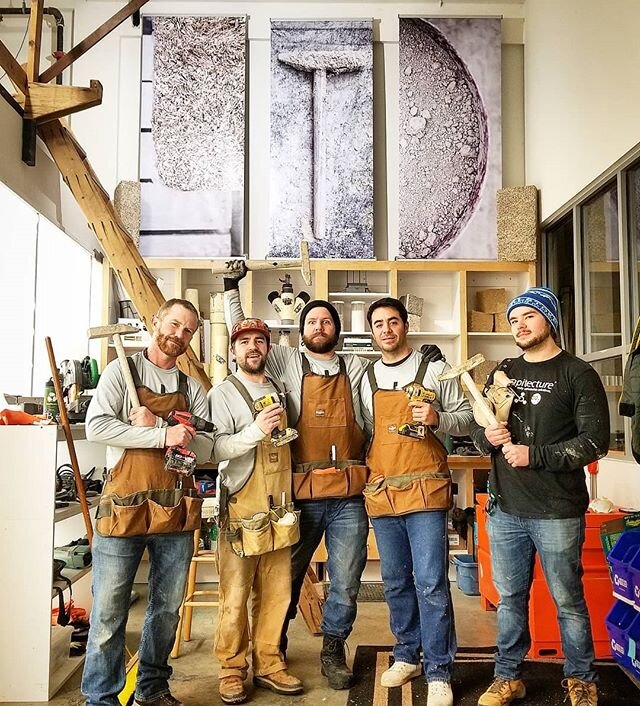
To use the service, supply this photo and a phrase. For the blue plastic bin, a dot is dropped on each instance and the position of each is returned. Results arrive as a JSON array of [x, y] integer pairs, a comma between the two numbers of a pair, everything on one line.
[[633, 571], [618, 622], [633, 646], [619, 558], [467, 574]]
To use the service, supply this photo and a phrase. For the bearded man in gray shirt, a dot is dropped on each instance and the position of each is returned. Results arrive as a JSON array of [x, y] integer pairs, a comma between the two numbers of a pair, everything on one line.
[[143, 506]]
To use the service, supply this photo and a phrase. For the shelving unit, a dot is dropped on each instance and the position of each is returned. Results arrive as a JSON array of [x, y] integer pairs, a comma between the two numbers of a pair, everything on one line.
[[30, 529], [447, 286]]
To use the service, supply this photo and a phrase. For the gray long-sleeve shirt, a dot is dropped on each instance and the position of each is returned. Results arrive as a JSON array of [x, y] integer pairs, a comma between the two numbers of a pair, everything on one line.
[[454, 410], [108, 413], [237, 433]]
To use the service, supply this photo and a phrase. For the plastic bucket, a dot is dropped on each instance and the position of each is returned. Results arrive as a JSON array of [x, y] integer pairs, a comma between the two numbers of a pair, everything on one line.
[[466, 574]]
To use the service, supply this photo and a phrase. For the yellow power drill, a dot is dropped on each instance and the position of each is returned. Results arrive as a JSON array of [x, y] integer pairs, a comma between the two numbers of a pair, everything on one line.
[[416, 393], [279, 437]]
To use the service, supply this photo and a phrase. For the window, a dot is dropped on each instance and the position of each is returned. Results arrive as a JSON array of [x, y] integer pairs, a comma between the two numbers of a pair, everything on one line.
[[601, 271], [560, 276], [610, 371], [633, 209]]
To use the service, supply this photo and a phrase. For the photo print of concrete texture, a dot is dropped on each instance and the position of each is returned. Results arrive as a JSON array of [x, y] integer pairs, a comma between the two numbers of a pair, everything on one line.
[[450, 151], [192, 136], [321, 185]]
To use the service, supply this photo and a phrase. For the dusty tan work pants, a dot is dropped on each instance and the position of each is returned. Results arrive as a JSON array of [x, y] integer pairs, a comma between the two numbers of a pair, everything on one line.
[[266, 579]]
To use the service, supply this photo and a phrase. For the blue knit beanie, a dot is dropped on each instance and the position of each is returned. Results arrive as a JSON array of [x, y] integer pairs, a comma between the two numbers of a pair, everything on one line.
[[541, 299]]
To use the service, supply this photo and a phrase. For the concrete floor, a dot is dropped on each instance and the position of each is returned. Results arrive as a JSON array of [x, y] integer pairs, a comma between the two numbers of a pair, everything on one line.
[[195, 672]]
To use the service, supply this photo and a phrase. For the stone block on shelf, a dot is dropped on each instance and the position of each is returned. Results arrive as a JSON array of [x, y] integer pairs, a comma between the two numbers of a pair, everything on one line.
[[491, 301], [500, 323], [415, 322], [480, 322], [412, 303]]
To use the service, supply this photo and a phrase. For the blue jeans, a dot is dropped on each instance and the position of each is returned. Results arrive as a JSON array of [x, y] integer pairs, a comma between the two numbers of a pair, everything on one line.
[[115, 561], [345, 525], [414, 561], [558, 542]]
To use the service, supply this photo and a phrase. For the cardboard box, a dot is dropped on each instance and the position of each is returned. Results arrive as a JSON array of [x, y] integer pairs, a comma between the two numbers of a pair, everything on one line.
[[415, 322], [480, 322], [491, 301], [500, 323], [412, 303]]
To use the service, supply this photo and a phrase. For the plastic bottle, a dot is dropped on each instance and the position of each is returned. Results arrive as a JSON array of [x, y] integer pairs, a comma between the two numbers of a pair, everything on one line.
[[50, 403]]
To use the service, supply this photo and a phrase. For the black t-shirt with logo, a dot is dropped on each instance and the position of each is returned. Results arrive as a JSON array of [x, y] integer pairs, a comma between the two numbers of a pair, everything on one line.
[[560, 411]]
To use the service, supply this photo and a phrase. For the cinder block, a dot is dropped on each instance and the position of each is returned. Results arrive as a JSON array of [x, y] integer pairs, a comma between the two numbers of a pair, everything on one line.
[[491, 301], [517, 223], [412, 303], [479, 322], [415, 322], [500, 323], [481, 372]]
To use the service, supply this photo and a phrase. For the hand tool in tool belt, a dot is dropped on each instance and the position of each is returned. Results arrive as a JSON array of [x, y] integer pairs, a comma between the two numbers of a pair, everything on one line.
[[416, 393], [279, 437]]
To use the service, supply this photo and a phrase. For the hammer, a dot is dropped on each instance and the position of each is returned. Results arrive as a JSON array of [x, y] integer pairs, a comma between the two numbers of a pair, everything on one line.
[[116, 330], [320, 63], [302, 264], [462, 371]]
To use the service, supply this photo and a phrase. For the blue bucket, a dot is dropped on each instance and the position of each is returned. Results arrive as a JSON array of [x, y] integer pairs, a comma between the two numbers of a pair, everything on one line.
[[466, 574]]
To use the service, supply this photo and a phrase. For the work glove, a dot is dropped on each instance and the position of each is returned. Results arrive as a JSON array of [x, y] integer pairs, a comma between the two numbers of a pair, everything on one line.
[[431, 353], [237, 269]]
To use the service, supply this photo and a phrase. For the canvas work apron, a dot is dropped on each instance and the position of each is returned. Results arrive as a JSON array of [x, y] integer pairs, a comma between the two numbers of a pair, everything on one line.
[[260, 516], [327, 418], [415, 474], [139, 496]]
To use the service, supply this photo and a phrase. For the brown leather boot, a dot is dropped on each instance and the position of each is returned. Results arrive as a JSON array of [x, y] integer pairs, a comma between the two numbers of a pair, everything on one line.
[[231, 690], [581, 693], [502, 692], [280, 682]]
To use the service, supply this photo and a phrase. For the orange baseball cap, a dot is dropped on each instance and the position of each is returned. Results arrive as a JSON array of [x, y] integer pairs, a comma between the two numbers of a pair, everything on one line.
[[246, 325]]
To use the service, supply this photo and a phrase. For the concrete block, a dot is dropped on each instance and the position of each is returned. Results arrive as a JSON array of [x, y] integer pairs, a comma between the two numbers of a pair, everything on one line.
[[481, 372], [517, 223], [500, 323], [479, 322], [412, 303], [491, 301], [415, 322]]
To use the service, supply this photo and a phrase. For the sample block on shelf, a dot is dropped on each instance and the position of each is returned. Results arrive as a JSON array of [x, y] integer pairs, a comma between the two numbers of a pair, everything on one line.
[[491, 301], [412, 303], [480, 322], [500, 323], [415, 322]]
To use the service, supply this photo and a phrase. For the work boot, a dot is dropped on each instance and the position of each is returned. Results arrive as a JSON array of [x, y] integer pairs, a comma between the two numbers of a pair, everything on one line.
[[231, 690], [162, 700], [502, 692], [334, 663], [280, 683], [581, 693]]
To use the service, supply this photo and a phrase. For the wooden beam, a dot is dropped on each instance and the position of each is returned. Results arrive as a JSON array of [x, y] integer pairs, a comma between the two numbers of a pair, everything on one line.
[[48, 101], [121, 251], [35, 39], [14, 71], [82, 47]]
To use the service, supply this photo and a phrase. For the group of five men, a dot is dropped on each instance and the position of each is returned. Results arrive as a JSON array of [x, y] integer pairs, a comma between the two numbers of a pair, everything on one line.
[[348, 465]]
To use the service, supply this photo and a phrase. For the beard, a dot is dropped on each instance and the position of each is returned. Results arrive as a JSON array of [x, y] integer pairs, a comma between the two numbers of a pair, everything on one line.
[[252, 365], [535, 341], [320, 343], [170, 345]]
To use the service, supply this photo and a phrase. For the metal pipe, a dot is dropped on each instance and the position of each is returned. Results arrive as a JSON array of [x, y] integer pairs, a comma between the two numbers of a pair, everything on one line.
[[51, 11]]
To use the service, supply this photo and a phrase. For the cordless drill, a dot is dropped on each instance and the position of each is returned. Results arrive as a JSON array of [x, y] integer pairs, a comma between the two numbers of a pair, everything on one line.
[[180, 459], [279, 437], [416, 393]]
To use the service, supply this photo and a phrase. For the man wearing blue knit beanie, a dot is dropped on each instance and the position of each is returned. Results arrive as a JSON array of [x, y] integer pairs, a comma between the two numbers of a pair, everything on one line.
[[558, 423]]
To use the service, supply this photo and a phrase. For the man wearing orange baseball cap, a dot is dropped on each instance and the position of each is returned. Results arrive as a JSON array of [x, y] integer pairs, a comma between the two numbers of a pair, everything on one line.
[[258, 523]]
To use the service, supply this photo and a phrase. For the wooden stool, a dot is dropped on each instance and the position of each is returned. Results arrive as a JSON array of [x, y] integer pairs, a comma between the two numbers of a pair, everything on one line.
[[193, 598]]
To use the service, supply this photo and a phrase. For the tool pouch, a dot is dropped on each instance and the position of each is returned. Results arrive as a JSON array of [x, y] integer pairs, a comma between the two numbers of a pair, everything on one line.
[[401, 495], [265, 532], [332, 482], [149, 512]]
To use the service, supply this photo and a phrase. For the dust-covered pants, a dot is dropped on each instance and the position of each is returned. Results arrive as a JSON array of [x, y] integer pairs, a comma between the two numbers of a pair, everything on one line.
[[266, 579]]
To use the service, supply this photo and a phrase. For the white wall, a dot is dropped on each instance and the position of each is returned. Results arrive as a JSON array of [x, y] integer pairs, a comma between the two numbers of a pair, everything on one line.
[[582, 104]]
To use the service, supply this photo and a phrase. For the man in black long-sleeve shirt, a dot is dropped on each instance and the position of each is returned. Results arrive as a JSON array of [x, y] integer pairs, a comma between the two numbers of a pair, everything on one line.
[[558, 423]]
